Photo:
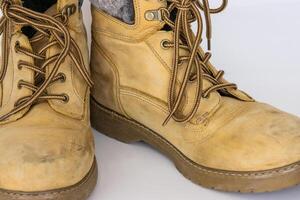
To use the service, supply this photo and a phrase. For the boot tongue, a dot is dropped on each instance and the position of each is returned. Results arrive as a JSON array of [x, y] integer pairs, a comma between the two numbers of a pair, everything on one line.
[[38, 5], [49, 7], [43, 5]]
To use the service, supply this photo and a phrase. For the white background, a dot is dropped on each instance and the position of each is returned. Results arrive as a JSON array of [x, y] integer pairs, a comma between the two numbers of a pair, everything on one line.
[[257, 43]]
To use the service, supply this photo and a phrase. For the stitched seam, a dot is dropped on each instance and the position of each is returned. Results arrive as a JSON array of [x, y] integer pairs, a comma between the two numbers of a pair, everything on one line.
[[73, 80], [116, 73], [13, 75], [144, 94], [187, 100], [7, 103], [144, 99], [150, 100], [57, 106], [185, 103], [133, 39]]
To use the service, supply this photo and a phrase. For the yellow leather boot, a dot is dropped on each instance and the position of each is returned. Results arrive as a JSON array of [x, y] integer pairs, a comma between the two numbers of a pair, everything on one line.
[[46, 143], [153, 83]]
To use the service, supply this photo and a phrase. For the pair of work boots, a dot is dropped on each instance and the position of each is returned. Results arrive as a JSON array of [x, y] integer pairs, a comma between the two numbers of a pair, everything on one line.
[[152, 83]]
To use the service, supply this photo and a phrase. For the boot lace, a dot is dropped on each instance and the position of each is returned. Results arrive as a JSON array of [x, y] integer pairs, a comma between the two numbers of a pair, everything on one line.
[[198, 69], [50, 28]]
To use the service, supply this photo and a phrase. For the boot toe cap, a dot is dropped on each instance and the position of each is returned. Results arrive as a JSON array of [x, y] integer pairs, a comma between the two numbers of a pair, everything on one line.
[[41, 159], [260, 138]]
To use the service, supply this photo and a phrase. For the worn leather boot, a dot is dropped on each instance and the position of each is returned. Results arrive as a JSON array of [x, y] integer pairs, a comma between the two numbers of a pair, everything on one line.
[[154, 84], [46, 143]]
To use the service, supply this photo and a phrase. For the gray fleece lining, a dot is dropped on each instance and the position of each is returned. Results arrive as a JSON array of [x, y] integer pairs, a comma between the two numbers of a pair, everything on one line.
[[121, 9]]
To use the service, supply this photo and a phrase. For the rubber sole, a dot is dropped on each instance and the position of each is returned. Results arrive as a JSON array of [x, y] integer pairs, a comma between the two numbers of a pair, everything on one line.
[[126, 130], [80, 191]]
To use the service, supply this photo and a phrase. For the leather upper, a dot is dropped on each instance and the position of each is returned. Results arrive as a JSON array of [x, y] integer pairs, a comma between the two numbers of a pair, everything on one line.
[[133, 71], [49, 145], [45, 150]]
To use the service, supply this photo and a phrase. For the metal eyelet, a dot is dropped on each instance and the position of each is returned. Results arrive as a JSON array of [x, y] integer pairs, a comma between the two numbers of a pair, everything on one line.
[[17, 104], [205, 96], [153, 15], [192, 78], [17, 46], [62, 77], [180, 62], [19, 65], [164, 44], [66, 98], [20, 84], [69, 10]]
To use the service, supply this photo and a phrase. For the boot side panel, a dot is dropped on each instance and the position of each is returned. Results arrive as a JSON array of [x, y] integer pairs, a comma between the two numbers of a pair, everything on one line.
[[106, 79]]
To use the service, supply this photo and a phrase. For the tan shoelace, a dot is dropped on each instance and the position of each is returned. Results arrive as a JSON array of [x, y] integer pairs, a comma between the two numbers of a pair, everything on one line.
[[187, 12], [46, 27]]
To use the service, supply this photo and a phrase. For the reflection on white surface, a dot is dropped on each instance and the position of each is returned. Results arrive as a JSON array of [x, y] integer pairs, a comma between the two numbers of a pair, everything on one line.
[[257, 44]]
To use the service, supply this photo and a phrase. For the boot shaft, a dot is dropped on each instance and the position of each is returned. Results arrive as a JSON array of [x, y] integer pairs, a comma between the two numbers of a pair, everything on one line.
[[139, 59]]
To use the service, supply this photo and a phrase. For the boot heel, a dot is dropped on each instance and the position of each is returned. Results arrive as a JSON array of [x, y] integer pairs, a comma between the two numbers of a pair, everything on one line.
[[112, 124]]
